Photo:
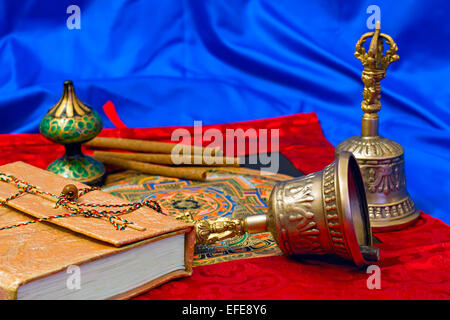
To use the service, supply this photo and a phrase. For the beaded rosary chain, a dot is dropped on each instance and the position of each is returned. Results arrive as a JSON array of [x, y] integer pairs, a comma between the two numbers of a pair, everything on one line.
[[67, 199]]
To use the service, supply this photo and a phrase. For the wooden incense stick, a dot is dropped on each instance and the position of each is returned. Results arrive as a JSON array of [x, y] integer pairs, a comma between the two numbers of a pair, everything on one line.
[[169, 159], [155, 169], [150, 146]]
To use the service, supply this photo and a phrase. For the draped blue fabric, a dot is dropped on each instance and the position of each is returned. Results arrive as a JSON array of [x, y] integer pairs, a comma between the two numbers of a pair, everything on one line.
[[170, 62]]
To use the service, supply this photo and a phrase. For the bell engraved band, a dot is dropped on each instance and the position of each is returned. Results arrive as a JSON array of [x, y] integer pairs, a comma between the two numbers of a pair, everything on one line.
[[323, 213], [381, 160], [71, 122]]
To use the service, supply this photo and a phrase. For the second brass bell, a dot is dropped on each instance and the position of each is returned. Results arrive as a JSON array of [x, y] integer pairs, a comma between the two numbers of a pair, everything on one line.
[[381, 159]]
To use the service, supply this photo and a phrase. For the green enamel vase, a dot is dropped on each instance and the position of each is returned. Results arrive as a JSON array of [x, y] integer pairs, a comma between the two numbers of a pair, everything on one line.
[[71, 122]]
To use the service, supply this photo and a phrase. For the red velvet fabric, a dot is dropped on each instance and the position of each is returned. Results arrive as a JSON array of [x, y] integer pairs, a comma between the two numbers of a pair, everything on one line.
[[414, 264], [300, 140]]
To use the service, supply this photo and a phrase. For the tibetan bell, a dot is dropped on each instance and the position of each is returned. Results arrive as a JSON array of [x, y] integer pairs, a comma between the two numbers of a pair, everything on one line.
[[381, 160], [71, 122], [323, 213]]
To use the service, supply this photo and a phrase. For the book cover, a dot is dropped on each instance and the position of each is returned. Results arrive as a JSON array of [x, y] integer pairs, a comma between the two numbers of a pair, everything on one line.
[[36, 251]]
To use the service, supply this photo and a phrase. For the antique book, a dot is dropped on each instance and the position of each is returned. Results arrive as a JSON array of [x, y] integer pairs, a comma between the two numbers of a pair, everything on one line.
[[40, 260]]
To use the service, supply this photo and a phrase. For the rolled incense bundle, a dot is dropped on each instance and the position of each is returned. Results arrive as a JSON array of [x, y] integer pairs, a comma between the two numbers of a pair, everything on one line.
[[150, 146], [155, 169], [170, 159]]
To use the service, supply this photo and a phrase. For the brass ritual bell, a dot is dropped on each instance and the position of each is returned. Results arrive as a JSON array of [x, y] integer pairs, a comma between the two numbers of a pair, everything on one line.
[[323, 213], [71, 122], [381, 160]]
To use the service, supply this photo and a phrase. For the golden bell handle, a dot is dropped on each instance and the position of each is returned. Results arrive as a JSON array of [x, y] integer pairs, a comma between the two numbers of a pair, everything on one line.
[[375, 65], [214, 230]]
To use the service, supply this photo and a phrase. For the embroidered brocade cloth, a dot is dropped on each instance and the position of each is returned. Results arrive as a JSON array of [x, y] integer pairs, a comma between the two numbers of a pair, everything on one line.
[[228, 192]]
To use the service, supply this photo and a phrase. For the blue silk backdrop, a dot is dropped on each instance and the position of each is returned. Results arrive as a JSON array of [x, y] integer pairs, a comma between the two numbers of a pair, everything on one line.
[[170, 62]]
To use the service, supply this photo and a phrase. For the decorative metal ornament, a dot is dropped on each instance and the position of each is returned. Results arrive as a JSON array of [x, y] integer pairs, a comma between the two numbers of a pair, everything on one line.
[[323, 213], [71, 122], [381, 160]]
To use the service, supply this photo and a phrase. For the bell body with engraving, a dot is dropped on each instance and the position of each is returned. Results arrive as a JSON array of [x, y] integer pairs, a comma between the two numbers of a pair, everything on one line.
[[323, 213], [381, 160], [383, 169]]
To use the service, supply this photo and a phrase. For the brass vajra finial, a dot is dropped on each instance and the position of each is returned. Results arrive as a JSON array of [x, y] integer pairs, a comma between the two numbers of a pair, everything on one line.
[[210, 231], [375, 65]]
